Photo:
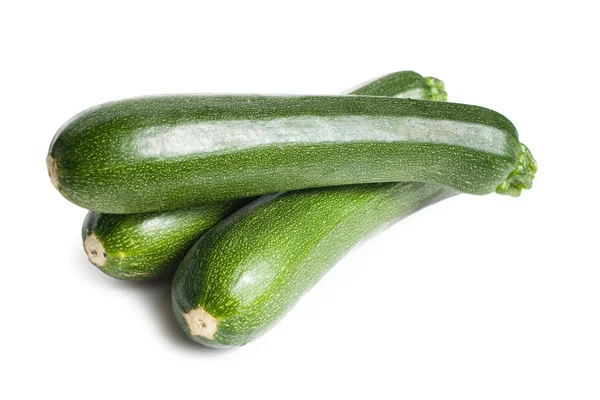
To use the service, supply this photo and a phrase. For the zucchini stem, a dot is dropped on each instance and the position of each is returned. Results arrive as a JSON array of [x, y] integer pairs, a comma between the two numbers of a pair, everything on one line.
[[437, 89], [522, 176]]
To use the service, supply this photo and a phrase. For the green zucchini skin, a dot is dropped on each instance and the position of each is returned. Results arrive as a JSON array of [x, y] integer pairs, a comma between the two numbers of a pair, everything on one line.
[[148, 245], [404, 84], [167, 152], [245, 273], [151, 245]]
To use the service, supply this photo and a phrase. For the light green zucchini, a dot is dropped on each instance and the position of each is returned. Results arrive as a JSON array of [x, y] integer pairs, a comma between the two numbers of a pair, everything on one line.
[[148, 245], [413, 86]]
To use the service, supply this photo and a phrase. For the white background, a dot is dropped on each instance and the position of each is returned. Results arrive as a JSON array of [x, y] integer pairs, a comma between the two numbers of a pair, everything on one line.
[[478, 297]]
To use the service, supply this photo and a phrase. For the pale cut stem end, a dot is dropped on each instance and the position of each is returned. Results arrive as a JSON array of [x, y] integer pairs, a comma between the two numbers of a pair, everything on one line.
[[522, 176], [201, 323], [437, 89], [94, 250], [52, 171]]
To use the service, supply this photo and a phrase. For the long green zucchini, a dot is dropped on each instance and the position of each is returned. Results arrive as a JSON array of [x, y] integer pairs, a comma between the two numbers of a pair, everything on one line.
[[413, 86], [245, 273], [148, 245], [151, 245], [165, 152]]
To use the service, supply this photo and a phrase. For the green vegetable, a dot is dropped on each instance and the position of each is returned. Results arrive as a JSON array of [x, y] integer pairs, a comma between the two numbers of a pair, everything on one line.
[[167, 152], [151, 245], [148, 245], [246, 272], [412, 86]]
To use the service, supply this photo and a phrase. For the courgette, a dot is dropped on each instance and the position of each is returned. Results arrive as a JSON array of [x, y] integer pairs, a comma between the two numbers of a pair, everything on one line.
[[246, 272], [151, 245], [148, 245], [412, 85], [165, 152]]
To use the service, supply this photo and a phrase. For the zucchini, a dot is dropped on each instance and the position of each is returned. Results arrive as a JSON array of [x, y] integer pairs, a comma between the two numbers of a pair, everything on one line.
[[245, 273], [412, 86], [148, 245], [151, 245], [164, 152]]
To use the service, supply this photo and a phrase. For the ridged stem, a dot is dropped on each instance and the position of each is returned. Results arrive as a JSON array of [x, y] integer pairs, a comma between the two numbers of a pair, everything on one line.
[[522, 176], [436, 86]]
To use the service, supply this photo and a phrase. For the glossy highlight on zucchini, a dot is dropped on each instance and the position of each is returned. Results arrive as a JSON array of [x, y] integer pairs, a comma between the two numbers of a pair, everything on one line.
[[151, 245], [165, 152], [245, 273]]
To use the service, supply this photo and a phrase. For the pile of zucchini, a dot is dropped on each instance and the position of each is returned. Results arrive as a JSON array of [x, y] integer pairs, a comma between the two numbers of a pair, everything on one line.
[[249, 199]]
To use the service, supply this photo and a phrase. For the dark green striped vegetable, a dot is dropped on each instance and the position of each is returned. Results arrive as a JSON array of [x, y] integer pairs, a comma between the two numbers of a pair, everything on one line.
[[245, 273], [151, 245], [168, 152]]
